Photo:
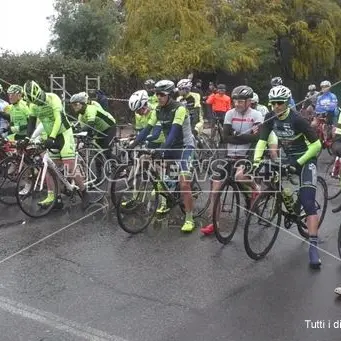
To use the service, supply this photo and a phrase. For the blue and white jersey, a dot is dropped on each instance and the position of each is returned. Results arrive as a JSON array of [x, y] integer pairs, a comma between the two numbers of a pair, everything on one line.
[[327, 103]]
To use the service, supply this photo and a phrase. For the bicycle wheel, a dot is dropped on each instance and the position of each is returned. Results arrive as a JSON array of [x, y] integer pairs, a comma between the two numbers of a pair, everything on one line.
[[201, 200], [30, 191], [119, 182], [136, 206], [333, 181], [8, 180], [226, 211], [321, 203], [339, 241], [260, 224]]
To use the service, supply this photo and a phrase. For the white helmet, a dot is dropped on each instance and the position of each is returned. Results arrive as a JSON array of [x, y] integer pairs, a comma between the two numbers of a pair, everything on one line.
[[81, 97], [312, 87], [138, 100], [327, 84], [255, 98], [184, 84], [164, 86], [279, 93]]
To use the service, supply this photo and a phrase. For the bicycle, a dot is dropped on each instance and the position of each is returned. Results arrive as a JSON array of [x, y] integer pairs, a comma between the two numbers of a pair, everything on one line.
[[332, 176], [230, 192], [41, 170], [292, 212], [141, 197], [326, 140]]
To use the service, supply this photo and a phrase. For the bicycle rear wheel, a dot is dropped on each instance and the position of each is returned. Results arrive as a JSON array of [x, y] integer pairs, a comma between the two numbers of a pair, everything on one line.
[[262, 226], [333, 180], [137, 204], [226, 212], [29, 194]]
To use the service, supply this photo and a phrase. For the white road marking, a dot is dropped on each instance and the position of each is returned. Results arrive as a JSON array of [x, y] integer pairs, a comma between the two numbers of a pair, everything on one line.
[[54, 321]]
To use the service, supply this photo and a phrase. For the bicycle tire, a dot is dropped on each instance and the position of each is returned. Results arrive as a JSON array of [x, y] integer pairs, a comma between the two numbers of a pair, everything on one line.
[[195, 187], [333, 195], [2, 198], [120, 210], [117, 175], [53, 178], [257, 255], [236, 196], [301, 227]]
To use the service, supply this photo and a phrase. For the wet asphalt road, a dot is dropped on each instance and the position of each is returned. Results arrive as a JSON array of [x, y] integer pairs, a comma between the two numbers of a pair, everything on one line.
[[92, 281]]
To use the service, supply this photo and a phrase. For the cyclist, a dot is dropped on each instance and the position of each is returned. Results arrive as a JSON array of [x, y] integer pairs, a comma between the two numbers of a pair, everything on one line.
[[89, 100], [149, 85], [276, 81], [102, 100], [179, 144], [48, 108], [259, 107], [139, 103], [191, 100], [3, 109], [301, 146], [96, 121], [326, 106], [17, 113], [241, 130], [220, 103], [311, 97]]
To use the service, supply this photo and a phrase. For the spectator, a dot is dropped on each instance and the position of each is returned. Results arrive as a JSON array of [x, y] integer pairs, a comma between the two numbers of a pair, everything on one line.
[[102, 99]]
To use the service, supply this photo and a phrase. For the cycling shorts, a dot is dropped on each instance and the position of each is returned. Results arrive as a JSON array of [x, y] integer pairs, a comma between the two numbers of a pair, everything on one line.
[[66, 146], [308, 174], [183, 158]]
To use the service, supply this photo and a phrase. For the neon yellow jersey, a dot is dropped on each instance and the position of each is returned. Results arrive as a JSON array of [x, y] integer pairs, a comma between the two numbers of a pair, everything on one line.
[[51, 114], [19, 113]]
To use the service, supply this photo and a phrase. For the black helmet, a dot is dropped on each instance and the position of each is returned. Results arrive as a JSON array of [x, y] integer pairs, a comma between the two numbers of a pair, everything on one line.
[[242, 92], [276, 81], [221, 87], [149, 84], [165, 86]]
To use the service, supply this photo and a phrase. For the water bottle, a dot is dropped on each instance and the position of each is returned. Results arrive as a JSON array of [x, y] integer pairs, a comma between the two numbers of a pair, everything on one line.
[[288, 199]]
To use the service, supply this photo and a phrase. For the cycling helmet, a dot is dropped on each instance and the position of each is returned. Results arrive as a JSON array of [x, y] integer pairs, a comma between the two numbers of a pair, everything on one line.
[[138, 100], [165, 86], [221, 87], [81, 97], [242, 92], [326, 84], [312, 87], [276, 81], [255, 98], [279, 93], [149, 84], [33, 92], [15, 89], [184, 84]]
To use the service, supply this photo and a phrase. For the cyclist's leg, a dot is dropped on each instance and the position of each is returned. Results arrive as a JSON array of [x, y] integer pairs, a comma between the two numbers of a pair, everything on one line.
[[307, 195], [185, 187], [220, 171]]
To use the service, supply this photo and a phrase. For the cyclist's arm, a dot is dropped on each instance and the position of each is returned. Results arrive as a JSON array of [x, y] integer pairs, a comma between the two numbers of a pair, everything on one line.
[[179, 118], [145, 131], [310, 134], [155, 133], [57, 108], [265, 131], [31, 121]]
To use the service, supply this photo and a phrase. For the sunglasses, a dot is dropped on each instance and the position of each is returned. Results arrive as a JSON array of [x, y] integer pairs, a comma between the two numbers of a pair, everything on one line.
[[278, 103], [160, 94]]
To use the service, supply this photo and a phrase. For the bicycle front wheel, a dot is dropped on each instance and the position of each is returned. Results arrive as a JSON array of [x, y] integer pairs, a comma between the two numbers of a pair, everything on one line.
[[136, 205], [8, 180], [226, 211], [332, 176], [32, 192], [262, 225]]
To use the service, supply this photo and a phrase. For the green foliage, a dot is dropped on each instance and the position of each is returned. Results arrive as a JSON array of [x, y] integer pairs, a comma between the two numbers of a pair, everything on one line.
[[85, 30]]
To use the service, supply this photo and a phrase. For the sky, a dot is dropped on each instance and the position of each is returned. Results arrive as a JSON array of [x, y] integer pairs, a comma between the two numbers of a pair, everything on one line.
[[23, 25]]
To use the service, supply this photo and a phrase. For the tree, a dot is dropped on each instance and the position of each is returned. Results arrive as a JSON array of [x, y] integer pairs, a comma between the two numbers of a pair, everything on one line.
[[175, 38], [85, 29]]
